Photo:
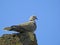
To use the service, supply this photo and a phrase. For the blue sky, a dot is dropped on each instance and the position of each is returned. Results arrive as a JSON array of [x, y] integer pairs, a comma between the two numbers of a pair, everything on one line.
[[48, 12]]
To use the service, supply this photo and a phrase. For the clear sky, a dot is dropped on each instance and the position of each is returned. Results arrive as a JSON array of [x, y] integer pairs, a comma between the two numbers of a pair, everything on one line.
[[48, 12]]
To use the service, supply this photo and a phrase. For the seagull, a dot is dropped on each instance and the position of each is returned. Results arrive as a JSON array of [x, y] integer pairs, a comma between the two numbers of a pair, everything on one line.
[[29, 26]]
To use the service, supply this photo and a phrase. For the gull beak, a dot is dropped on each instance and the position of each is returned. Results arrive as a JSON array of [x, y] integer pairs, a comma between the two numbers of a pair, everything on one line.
[[37, 18]]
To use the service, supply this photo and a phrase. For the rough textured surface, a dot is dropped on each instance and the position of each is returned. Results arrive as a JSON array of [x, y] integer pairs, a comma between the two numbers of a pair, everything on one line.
[[17, 39]]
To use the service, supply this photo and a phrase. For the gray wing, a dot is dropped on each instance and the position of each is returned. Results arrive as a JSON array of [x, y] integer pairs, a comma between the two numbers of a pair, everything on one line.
[[26, 27], [29, 26]]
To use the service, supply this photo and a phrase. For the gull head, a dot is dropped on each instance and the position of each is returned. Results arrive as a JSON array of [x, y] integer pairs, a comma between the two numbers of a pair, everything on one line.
[[32, 18]]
